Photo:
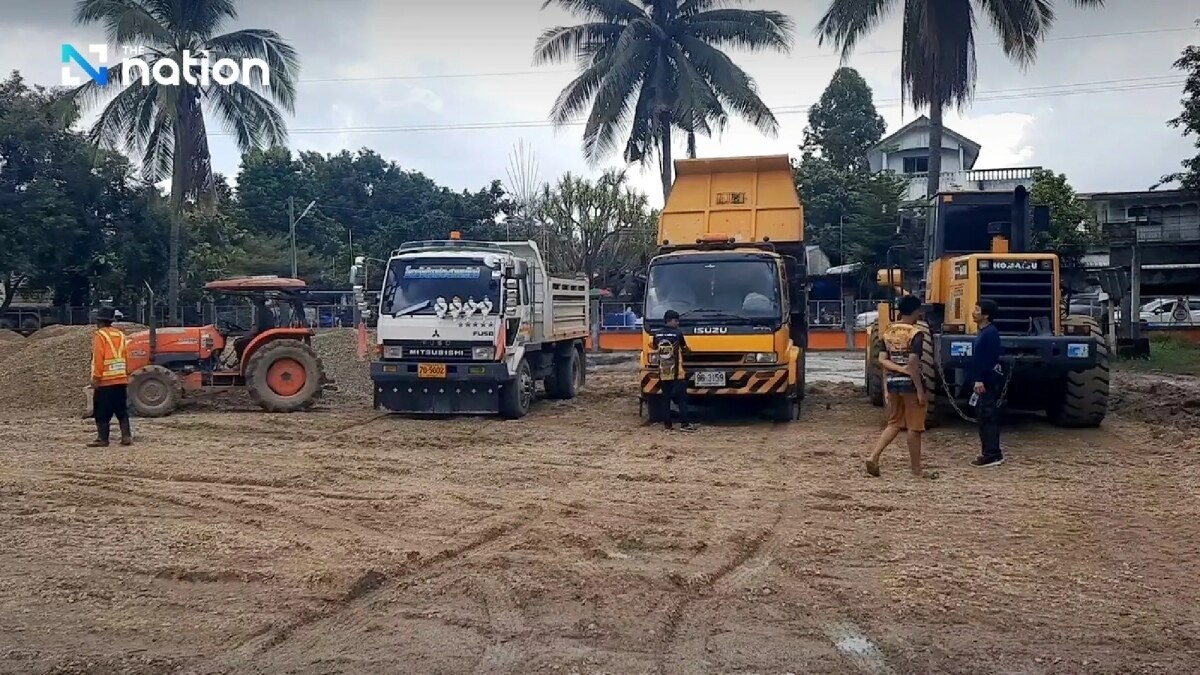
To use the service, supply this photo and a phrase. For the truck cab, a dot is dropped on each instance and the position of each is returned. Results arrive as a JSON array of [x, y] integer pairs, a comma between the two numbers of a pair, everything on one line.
[[731, 263], [470, 327]]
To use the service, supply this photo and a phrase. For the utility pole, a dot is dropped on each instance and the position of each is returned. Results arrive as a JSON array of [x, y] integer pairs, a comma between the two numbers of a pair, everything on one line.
[[292, 220]]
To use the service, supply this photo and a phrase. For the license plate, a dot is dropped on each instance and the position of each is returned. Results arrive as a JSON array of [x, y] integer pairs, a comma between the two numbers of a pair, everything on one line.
[[431, 370], [1076, 351], [710, 378]]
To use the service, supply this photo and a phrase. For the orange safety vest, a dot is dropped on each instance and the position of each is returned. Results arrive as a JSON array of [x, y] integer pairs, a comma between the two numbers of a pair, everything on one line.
[[108, 357]]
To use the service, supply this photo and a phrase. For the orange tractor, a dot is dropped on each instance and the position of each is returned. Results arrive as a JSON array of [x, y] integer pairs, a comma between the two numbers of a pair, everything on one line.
[[277, 365]]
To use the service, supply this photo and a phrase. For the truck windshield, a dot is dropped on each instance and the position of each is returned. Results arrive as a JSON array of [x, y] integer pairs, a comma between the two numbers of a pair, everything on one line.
[[708, 290], [413, 286]]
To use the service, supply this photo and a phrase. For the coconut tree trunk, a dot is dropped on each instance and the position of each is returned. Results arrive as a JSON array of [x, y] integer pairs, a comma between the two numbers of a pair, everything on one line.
[[666, 158], [691, 142], [178, 182], [933, 179]]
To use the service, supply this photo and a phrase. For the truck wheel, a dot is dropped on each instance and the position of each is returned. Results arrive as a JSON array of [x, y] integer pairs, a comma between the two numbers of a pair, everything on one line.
[[285, 376], [873, 378], [154, 391], [1082, 400], [567, 376], [517, 396], [783, 408]]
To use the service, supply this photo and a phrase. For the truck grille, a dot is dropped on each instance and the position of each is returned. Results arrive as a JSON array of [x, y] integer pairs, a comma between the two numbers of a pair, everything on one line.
[[1022, 296]]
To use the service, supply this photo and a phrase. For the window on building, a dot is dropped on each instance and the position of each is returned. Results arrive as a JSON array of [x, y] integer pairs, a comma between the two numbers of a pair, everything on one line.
[[916, 164]]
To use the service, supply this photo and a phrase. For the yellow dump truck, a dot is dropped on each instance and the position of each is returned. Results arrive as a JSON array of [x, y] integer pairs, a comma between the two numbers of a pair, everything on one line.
[[732, 264]]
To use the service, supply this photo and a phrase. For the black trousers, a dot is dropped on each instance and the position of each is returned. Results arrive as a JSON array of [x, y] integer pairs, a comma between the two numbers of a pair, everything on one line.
[[107, 403], [675, 391], [987, 411]]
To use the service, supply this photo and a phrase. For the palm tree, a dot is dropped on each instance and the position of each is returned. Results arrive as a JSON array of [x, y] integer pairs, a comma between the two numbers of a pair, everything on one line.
[[163, 125], [937, 60], [654, 65]]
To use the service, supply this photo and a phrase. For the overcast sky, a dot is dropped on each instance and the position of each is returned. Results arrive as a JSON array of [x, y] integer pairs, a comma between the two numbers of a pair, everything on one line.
[[401, 63]]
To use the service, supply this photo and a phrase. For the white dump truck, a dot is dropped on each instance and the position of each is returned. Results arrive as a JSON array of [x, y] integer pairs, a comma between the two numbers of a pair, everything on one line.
[[470, 327]]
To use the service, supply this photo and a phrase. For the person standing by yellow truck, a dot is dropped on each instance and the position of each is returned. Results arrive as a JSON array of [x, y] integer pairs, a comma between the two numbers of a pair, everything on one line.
[[110, 378]]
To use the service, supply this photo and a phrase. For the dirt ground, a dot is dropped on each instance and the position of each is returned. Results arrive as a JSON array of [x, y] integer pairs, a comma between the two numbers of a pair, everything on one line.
[[576, 540]]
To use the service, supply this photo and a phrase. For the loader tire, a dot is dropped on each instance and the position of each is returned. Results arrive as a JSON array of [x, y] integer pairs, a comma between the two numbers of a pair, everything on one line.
[[873, 373], [1082, 401], [154, 391], [285, 376], [938, 402]]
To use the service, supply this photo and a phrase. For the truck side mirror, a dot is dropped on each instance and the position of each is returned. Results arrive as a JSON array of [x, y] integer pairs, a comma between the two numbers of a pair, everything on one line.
[[355, 271], [520, 269]]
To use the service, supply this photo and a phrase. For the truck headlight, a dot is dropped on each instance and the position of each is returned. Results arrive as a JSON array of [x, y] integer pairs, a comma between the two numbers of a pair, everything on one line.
[[652, 359], [761, 357], [483, 353], [393, 352]]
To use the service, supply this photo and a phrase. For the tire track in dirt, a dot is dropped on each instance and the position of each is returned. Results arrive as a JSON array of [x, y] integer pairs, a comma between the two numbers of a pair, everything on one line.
[[507, 625], [350, 618]]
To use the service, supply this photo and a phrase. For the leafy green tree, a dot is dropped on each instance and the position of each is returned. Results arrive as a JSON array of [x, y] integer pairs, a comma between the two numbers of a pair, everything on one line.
[[598, 227], [658, 65], [850, 212], [1073, 225], [164, 126], [844, 125], [1188, 120], [937, 60]]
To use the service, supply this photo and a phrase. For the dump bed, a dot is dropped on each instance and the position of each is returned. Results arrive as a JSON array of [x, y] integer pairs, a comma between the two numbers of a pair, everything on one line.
[[751, 199], [560, 305]]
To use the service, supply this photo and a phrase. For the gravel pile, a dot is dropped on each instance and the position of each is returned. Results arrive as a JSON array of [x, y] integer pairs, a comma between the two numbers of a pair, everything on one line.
[[8, 336], [49, 370], [338, 348]]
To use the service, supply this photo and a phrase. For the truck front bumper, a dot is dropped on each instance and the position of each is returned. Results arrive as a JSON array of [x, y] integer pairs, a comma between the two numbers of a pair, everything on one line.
[[738, 381], [1053, 353], [468, 388]]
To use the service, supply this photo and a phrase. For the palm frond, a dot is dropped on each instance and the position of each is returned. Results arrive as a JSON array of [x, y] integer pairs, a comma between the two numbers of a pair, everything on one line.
[[747, 29], [692, 7], [1021, 25], [202, 18], [158, 157], [625, 71], [735, 88], [125, 21], [558, 44], [644, 126], [696, 103], [252, 119], [937, 53], [578, 93], [89, 94], [847, 21], [616, 11], [267, 45]]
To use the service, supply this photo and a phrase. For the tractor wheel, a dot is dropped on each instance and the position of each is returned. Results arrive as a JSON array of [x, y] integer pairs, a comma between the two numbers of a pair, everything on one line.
[[285, 376], [516, 397], [873, 372], [154, 391], [1082, 400], [567, 376]]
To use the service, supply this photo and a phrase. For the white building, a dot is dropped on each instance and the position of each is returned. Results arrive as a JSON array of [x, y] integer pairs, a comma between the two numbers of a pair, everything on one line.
[[906, 152]]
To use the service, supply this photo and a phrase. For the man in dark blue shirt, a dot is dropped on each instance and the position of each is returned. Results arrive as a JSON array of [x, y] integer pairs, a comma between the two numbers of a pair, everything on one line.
[[987, 377]]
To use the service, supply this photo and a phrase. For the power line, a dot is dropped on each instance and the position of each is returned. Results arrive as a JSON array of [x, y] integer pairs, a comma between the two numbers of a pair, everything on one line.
[[1047, 91], [563, 71]]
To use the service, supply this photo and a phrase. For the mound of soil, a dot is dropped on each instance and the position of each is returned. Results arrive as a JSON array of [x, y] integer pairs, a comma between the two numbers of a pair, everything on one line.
[[338, 348], [8, 336], [1167, 401]]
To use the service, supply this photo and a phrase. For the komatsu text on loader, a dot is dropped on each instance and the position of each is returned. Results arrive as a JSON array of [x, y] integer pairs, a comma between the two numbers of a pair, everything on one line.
[[982, 245], [732, 264]]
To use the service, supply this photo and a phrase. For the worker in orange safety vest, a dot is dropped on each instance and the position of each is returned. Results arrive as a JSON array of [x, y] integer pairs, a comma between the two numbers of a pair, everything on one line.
[[109, 379]]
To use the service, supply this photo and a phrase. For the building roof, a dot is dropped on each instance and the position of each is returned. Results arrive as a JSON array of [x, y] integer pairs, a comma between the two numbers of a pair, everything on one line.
[[1140, 194], [921, 122]]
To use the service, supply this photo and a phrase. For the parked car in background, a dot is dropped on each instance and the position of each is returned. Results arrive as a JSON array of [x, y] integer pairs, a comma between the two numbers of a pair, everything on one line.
[[1172, 311], [866, 319]]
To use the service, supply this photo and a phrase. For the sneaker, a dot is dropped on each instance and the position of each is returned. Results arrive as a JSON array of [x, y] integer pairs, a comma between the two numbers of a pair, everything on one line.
[[688, 427], [98, 444], [873, 468], [127, 440], [983, 462]]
